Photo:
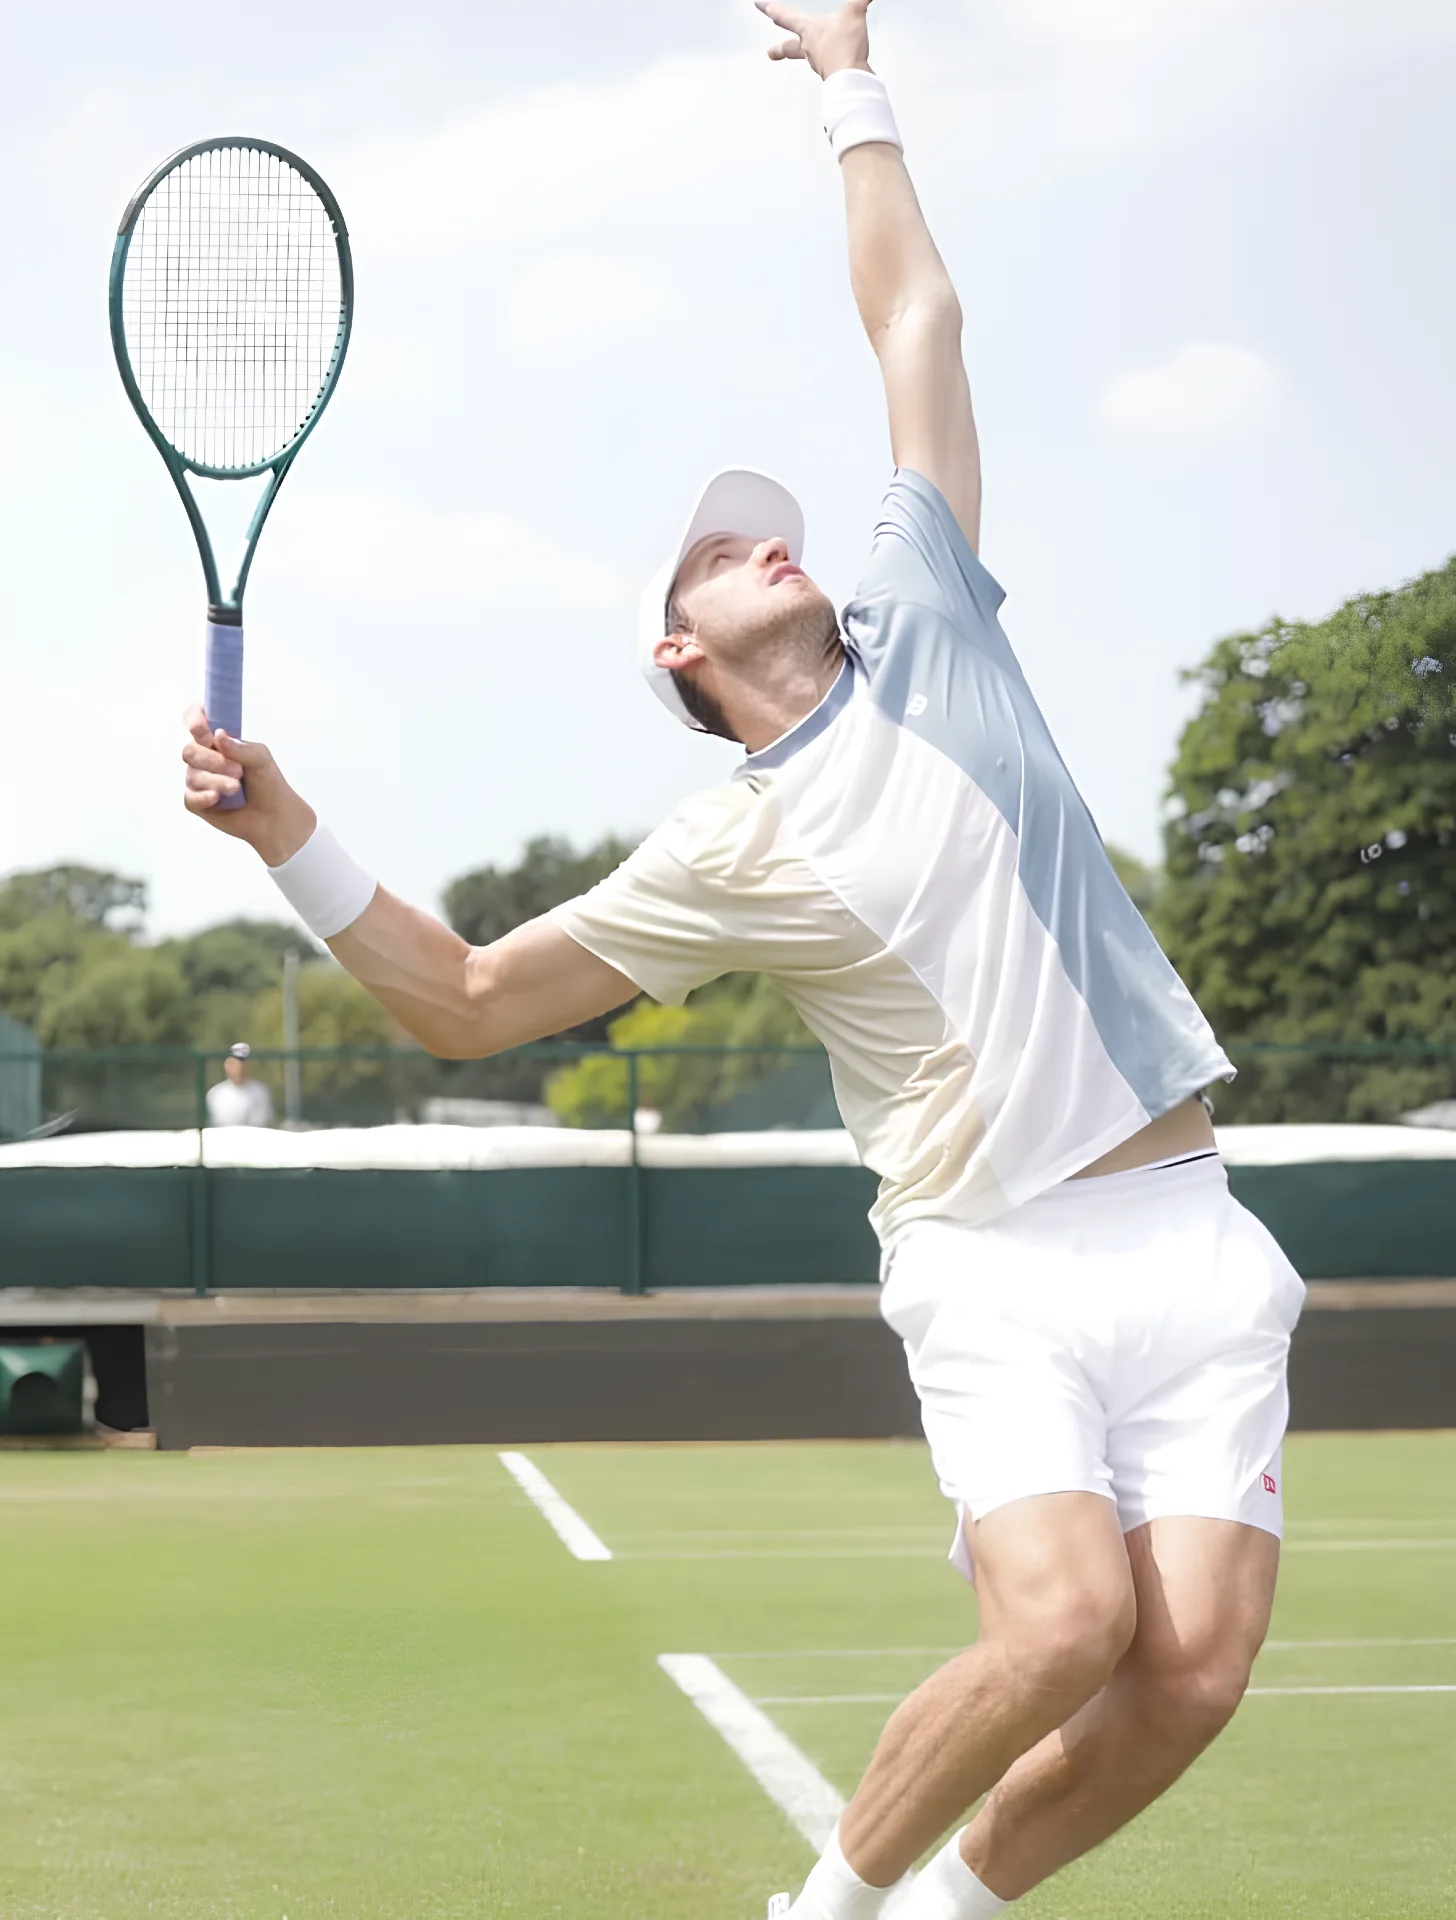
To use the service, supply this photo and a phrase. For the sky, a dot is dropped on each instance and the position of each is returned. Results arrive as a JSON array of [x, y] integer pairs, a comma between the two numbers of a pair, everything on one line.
[[1203, 249]]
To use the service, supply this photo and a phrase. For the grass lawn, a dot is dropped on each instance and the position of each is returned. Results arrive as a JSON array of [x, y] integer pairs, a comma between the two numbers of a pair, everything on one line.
[[282, 1686]]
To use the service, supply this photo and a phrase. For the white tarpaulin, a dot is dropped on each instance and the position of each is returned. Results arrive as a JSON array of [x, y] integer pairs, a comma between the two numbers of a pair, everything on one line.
[[467, 1149]]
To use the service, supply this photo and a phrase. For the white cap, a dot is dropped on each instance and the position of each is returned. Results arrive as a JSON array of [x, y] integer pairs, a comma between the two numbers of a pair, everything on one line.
[[737, 500], [240, 1050]]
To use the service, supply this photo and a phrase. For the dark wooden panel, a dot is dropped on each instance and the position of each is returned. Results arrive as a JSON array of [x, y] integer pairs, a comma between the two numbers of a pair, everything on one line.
[[397, 1384]]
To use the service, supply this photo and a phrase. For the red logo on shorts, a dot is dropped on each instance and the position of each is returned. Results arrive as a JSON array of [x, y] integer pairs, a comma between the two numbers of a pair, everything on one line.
[[1270, 1485]]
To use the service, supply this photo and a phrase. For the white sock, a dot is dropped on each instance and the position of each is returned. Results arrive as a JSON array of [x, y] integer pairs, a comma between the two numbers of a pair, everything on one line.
[[948, 1890], [834, 1891]]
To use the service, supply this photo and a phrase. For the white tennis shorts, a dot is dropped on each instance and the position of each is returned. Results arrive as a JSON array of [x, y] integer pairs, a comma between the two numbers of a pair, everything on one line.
[[1124, 1335]]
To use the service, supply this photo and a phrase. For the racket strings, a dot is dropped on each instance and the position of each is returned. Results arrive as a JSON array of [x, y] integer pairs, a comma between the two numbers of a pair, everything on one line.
[[232, 306]]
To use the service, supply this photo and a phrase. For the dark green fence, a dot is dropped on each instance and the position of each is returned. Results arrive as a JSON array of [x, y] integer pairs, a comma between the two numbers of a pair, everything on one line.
[[691, 1089]]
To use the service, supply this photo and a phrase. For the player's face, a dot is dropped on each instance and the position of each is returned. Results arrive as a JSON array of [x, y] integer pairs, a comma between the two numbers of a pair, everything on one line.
[[235, 1069], [736, 593]]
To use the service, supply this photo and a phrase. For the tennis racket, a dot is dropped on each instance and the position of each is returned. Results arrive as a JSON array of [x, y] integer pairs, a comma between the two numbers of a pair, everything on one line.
[[232, 295]]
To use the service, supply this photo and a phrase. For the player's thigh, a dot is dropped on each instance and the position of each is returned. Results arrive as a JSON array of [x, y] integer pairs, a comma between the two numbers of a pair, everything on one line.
[[1205, 1591], [1054, 1581]]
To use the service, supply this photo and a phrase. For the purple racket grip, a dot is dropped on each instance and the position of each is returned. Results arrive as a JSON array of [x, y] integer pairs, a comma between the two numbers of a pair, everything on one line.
[[223, 691]]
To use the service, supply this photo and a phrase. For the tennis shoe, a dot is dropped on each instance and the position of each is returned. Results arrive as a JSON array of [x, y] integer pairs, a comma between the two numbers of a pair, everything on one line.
[[778, 1905]]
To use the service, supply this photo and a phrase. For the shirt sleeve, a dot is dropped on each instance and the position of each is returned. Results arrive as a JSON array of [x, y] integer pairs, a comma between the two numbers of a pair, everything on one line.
[[921, 559], [661, 918]]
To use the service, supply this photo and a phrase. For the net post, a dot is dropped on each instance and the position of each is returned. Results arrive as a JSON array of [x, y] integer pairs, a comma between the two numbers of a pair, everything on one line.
[[636, 1221]]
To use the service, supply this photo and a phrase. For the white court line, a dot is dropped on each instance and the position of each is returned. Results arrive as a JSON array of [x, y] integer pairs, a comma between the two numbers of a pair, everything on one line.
[[902, 1553], [791, 1781], [885, 1653], [893, 1699], [1368, 1546], [1281, 1646], [573, 1532], [1266, 1693]]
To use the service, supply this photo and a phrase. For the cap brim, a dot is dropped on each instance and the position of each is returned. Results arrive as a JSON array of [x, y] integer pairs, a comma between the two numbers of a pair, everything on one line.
[[737, 500]]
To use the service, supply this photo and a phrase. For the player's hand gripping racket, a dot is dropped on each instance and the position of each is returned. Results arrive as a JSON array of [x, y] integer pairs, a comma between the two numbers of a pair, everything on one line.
[[232, 293]]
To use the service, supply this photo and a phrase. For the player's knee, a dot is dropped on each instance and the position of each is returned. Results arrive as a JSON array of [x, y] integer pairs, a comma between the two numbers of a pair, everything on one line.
[[1074, 1641], [1196, 1697]]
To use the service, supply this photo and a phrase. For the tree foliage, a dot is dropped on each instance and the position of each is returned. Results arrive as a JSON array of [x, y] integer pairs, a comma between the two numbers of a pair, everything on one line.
[[484, 905], [1140, 880], [90, 895], [240, 956], [490, 901], [1310, 892], [41, 960], [134, 997], [742, 1010]]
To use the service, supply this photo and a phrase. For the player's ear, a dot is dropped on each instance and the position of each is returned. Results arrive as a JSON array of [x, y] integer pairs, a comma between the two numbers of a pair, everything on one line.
[[676, 650]]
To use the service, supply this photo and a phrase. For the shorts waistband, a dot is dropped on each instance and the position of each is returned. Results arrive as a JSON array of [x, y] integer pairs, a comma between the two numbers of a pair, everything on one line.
[[1203, 1169]]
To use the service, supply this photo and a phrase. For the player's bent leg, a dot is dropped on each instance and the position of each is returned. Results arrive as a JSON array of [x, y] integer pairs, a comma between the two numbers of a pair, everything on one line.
[[1057, 1613], [1204, 1593]]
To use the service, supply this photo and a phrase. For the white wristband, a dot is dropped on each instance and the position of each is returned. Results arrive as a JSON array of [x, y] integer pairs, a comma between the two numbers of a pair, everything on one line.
[[857, 110], [325, 888]]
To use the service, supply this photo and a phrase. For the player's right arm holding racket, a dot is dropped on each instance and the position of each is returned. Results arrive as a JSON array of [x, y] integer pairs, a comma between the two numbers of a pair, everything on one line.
[[459, 1001]]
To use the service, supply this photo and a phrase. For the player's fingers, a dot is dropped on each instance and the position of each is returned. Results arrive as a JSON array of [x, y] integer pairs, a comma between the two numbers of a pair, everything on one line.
[[251, 755], [209, 760], [789, 18], [198, 784], [195, 721], [788, 50]]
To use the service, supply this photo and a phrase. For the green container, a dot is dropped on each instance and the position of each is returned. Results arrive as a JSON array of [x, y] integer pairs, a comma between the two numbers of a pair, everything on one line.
[[42, 1387]]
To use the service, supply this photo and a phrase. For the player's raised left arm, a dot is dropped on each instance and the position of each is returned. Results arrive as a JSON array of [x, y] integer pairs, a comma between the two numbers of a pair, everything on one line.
[[904, 294]]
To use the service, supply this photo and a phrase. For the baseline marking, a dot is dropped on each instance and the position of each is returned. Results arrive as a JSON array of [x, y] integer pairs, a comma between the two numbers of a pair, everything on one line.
[[788, 1777], [572, 1531]]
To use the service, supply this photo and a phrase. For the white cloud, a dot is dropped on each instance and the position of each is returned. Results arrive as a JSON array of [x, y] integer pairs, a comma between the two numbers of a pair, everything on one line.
[[591, 307], [1207, 391], [391, 552], [692, 134]]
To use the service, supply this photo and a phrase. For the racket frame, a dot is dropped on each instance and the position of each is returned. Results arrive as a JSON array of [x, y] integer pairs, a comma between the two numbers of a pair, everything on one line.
[[226, 608]]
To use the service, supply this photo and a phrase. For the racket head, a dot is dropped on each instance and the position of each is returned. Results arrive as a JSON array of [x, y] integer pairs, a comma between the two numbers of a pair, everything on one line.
[[231, 302]]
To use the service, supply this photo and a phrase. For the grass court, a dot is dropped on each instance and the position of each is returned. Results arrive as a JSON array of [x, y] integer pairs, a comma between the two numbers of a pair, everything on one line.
[[374, 1685]]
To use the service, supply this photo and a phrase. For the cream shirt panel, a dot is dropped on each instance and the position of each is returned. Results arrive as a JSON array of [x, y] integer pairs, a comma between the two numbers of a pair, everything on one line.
[[716, 889]]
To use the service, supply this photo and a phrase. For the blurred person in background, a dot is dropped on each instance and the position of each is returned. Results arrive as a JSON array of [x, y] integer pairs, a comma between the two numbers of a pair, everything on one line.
[[237, 1101]]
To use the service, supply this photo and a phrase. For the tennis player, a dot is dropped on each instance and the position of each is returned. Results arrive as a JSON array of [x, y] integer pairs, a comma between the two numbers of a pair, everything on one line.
[[1097, 1331]]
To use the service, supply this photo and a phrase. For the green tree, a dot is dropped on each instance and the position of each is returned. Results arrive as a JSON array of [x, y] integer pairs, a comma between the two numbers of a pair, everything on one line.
[[134, 997], [1141, 881], [1310, 892], [240, 956], [45, 956], [333, 1011], [91, 895], [484, 905], [743, 1010]]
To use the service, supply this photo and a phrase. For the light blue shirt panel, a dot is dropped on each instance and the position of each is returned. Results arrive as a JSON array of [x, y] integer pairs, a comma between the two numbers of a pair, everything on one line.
[[924, 627]]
